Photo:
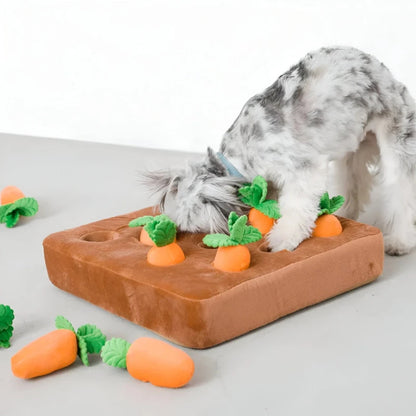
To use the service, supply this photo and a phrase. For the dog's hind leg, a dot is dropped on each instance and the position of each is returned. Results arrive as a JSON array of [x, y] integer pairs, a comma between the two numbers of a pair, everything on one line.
[[396, 206], [352, 177], [343, 182]]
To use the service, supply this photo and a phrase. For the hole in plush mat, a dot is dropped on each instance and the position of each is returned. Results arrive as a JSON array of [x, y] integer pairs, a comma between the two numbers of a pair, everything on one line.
[[265, 247], [100, 236]]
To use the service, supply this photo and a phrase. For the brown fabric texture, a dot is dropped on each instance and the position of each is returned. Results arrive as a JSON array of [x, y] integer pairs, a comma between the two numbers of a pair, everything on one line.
[[193, 304]]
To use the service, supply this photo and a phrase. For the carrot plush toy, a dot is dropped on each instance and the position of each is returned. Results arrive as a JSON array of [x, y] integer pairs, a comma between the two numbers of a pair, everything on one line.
[[141, 222], [327, 224], [14, 204], [263, 212], [57, 349], [161, 234], [150, 360], [232, 254]]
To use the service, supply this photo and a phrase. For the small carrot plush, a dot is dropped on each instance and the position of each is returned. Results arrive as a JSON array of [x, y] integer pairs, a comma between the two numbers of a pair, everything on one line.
[[57, 349], [14, 204], [327, 224], [165, 251], [141, 222], [6, 328], [264, 211], [232, 254], [150, 360]]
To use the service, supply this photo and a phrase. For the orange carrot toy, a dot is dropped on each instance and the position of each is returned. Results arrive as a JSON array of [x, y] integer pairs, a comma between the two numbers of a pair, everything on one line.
[[141, 222], [161, 231], [232, 254], [150, 360], [327, 224], [57, 349], [264, 211], [14, 204]]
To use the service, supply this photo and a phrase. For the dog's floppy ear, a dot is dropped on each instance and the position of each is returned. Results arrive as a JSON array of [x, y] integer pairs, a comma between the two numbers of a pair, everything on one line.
[[161, 182], [214, 165]]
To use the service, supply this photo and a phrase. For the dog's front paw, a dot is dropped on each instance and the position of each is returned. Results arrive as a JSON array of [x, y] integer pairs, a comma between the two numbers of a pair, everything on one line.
[[284, 236]]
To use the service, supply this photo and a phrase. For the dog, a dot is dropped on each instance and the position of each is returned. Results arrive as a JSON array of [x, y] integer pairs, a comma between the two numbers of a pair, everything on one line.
[[338, 111]]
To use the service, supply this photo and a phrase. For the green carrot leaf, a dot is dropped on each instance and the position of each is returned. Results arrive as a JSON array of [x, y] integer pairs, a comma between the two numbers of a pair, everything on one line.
[[324, 203], [218, 240], [6, 316], [329, 206], [257, 194], [245, 191], [336, 203], [237, 231], [24, 206], [93, 337], [254, 193], [141, 221], [161, 231], [240, 233], [270, 208], [63, 323], [6, 328], [260, 183], [114, 352], [6, 334], [83, 350], [232, 218], [11, 218], [251, 234], [250, 195], [3, 210]]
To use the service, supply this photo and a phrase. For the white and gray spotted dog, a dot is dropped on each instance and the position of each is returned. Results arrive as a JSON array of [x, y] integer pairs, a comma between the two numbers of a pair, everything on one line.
[[337, 107]]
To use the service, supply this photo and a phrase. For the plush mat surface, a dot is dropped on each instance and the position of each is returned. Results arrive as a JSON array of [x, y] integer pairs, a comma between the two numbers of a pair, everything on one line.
[[193, 304]]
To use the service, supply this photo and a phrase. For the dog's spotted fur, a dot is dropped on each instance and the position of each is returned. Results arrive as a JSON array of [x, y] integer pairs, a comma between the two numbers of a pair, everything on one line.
[[337, 106]]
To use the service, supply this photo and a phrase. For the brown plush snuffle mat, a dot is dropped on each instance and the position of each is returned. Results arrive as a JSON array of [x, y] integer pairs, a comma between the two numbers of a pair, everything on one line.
[[193, 304]]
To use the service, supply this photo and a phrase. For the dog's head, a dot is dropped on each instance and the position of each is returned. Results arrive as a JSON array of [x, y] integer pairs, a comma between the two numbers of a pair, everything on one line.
[[198, 197]]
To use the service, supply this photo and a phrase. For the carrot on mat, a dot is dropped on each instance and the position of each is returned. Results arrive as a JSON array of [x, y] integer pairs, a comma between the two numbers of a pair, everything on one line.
[[57, 349], [264, 211], [141, 222], [327, 224], [232, 254], [150, 360], [161, 231]]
